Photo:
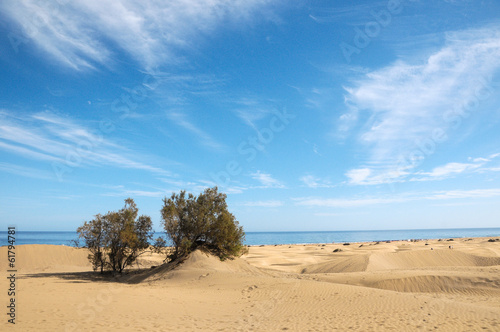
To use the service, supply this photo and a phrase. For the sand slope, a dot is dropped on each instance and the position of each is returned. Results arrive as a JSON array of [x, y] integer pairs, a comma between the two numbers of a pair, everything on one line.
[[49, 258], [350, 263], [398, 286], [197, 265], [427, 258]]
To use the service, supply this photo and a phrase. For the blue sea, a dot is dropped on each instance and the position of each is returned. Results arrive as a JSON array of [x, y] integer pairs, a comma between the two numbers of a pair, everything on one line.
[[271, 238]]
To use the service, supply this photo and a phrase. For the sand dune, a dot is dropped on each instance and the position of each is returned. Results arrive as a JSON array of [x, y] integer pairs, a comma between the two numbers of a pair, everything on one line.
[[441, 284], [400, 261], [198, 265], [350, 263], [50, 258], [398, 286], [427, 258]]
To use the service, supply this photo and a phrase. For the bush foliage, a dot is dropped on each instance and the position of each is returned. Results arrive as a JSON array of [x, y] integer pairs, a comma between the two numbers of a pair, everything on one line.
[[202, 221], [116, 239]]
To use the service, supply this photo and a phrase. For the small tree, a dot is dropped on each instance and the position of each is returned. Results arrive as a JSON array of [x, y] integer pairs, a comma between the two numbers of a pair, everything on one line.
[[93, 234], [116, 239], [204, 221]]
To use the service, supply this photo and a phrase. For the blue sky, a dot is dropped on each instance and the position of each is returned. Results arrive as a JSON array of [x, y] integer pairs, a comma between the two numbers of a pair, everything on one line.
[[310, 115]]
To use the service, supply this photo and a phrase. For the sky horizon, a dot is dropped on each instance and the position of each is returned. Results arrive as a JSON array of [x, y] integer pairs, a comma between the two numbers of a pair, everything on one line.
[[310, 116]]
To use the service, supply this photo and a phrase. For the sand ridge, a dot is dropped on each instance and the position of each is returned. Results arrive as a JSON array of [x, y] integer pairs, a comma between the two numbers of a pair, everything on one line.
[[197, 265], [399, 286], [48, 258]]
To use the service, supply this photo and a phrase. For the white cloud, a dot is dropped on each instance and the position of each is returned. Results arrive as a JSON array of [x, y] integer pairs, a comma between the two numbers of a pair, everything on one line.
[[367, 176], [355, 13], [346, 203], [327, 214], [251, 110], [451, 169], [406, 104], [266, 180], [25, 171], [312, 181], [269, 204], [402, 198], [204, 138], [358, 176], [47, 137], [374, 176], [77, 33], [454, 194], [138, 193], [176, 90], [494, 155], [234, 188], [251, 115], [198, 186], [454, 168], [28, 153], [177, 183]]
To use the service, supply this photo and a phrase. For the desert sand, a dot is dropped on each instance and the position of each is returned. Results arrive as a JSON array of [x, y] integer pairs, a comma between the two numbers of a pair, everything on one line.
[[396, 286]]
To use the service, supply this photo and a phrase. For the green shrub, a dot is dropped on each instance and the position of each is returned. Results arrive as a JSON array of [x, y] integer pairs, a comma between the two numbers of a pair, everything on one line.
[[202, 221], [116, 239]]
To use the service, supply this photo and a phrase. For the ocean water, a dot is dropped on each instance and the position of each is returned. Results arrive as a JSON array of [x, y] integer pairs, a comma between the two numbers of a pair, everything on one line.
[[270, 238]]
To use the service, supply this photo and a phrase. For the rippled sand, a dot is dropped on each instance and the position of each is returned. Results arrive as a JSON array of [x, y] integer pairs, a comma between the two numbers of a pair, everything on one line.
[[398, 286]]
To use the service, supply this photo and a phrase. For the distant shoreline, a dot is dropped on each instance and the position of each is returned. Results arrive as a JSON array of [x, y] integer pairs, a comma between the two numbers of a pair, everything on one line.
[[285, 238], [443, 239]]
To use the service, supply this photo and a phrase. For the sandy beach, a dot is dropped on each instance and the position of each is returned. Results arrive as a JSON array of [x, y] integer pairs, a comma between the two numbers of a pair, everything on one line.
[[396, 286]]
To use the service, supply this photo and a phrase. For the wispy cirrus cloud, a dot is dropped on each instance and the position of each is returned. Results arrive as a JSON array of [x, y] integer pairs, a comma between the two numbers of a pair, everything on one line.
[[356, 13], [402, 198], [312, 181], [405, 103], [457, 194], [137, 193], [29, 172], [252, 110], [80, 34], [165, 188], [203, 137], [448, 170], [345, 203], [477, 165], [367, 176], [375, 175], [176, 90], [48, 137], [267, 204], [266, 180]]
